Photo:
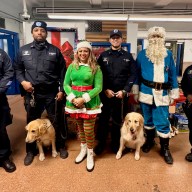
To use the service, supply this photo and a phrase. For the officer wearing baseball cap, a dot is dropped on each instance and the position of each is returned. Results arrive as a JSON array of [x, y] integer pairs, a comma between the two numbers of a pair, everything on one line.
[[119, 72]]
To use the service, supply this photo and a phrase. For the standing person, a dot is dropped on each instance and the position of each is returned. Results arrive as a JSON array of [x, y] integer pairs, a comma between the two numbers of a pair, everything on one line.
[[119, 73], [40, 68], [6, 77], [83, 83], [158, 88], [186, 85]]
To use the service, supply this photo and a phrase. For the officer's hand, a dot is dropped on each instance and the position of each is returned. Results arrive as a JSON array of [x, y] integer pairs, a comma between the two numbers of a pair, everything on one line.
[[27, 86], [109, 93], [119, 94], [59, 96], [189, 98]]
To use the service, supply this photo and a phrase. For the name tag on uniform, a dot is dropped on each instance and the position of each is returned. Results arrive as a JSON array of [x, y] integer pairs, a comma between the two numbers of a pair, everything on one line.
[[126, 60], [52, 53], [24, 53]]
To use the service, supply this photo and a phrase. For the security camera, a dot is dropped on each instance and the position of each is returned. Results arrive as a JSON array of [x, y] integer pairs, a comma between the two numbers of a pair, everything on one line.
[[26, 16]]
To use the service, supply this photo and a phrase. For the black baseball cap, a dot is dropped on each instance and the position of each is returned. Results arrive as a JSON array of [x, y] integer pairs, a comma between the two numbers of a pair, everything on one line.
[[115, 32]]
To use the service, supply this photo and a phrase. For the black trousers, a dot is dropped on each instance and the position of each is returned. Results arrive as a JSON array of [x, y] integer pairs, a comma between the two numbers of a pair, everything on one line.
[[187, 107], [112, 110], [5, 119], [55, 114]]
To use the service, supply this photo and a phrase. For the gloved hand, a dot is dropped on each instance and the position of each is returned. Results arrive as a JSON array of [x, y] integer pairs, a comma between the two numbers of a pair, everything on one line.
[[136, 98]]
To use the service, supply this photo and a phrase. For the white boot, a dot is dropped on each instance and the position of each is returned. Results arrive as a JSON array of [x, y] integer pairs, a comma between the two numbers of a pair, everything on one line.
[[90, 160], [82, 153]]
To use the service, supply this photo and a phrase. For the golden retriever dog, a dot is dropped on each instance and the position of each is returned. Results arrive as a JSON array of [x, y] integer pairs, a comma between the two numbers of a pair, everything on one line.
[[41, 131], [132, 134]]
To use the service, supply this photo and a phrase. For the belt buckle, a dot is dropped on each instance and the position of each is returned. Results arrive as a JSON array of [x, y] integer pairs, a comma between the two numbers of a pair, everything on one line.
[[158, 86]]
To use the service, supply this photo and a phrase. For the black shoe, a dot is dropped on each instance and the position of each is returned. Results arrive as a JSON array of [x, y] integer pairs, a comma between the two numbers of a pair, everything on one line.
[[148, 146], [188, 157], [99, 148], [28, 158], [167, 156], [63, 153], [8, 165], [115, 148]]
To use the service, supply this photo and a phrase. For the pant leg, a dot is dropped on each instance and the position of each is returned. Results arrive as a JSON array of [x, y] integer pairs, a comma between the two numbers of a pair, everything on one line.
[[117, 118], [55, 112], [32, 114], [5, 148], [188, 111], [103, 122], [147, 114], [161, 120]]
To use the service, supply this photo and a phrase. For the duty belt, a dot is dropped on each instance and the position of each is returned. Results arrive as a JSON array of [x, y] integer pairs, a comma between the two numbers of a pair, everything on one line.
[[156, 85]]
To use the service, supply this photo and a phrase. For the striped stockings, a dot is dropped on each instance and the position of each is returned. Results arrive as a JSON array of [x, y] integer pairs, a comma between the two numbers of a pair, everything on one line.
[[86, 131]]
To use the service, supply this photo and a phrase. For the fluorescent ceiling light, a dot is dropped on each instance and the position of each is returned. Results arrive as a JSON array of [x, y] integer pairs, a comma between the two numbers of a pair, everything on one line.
[[88, 16], [165, 18]]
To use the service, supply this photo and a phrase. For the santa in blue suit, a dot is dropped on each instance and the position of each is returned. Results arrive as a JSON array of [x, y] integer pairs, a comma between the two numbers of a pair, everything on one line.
[[157, 89]]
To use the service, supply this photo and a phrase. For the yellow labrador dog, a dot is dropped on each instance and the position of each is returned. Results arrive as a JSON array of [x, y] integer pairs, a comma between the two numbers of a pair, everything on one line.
[[132, 134], [41, 131]]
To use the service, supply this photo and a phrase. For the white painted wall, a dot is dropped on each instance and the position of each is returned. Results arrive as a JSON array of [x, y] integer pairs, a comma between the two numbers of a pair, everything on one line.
[[132, 29]]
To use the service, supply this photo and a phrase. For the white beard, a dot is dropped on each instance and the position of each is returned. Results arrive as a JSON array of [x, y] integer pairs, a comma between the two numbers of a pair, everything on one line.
[[156, 51]]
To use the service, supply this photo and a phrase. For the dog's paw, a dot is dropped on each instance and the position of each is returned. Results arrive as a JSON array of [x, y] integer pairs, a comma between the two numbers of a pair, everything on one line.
[[54, 153], [137, 156], [119, 154], [41, 157]]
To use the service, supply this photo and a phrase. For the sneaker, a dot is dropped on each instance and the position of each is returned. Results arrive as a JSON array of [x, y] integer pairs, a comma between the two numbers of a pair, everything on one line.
[[28, 158]]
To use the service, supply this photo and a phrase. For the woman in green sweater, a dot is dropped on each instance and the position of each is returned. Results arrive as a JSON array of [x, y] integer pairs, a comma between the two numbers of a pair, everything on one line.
[[83, 83]]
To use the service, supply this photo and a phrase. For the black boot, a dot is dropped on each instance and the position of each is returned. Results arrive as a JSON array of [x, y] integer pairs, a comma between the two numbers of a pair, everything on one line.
[[150, 142], [188, 157], [165, 152]]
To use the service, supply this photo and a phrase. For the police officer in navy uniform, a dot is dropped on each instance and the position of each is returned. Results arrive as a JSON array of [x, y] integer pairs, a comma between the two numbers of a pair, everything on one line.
[[40, 68], [186, 85], [6, 77], [119, 73]]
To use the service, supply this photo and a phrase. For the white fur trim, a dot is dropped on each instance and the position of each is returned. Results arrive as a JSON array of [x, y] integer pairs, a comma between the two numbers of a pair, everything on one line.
[[156, 31], [135, 89], [149, 128], [158, 71], [163, 135], [174, 93], [159, 99], [145, 98], [84, 44], [86, 97], [84, 110], [70, 97]]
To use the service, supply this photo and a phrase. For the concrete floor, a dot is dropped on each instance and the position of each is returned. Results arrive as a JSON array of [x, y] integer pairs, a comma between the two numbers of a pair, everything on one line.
[[149, 174]]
